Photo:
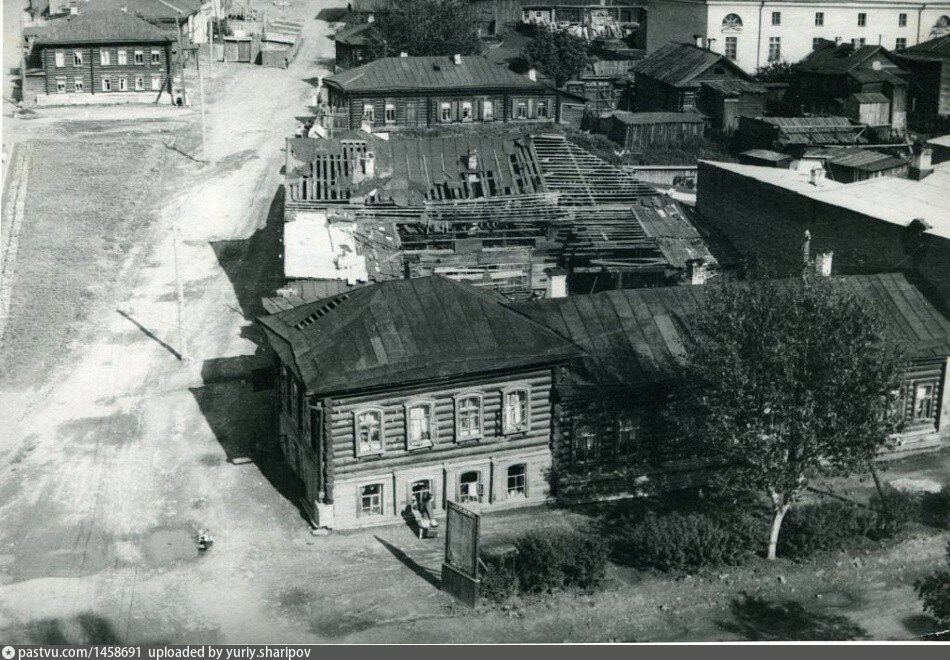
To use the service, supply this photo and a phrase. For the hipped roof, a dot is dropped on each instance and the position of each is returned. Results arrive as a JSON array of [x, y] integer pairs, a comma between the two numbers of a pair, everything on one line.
[[103, 27]]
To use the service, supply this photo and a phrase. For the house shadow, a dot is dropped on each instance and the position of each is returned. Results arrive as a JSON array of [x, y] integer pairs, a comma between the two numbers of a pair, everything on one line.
[[756, 619], [85, 628], [332, 14], [426, 574]]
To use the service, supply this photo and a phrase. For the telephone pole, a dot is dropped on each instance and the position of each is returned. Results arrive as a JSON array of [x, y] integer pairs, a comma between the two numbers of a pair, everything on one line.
[[201, 93]]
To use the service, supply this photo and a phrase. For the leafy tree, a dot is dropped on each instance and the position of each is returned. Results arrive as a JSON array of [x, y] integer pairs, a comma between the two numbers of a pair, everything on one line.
[[425, 27], [789, 380], [555, 53], [934, 591], [780, 71]]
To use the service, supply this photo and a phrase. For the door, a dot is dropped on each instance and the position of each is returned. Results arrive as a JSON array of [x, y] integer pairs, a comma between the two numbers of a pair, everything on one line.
[[412, 110], [244, 51], [730, 114]]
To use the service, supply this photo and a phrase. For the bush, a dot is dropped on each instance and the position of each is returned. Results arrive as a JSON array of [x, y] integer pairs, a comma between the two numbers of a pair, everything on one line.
[[934, 591], [499, 577], [898, 508], [935, 509], [554, 559], [811, 528], [687, 542]]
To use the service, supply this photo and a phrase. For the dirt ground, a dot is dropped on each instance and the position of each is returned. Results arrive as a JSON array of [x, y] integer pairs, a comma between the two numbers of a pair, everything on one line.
[[114, 452]]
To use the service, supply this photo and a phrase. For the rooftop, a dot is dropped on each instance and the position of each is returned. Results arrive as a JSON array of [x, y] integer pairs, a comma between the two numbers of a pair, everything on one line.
[[735, 87], [103, 27], [813, 130], [406, 331], [857, 158], [473, 72], [932, 49], [355, 35], [640, 118], [677, 64]]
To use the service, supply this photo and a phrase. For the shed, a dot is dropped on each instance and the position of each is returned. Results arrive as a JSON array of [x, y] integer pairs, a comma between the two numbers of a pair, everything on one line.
[[850, 164], [724, 101], [634, 130], [242, 48], [280, 43], [765, 158], [871, 108]]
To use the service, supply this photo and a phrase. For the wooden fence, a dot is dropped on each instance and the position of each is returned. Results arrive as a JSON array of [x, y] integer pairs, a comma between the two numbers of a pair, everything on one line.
[[663, 175]]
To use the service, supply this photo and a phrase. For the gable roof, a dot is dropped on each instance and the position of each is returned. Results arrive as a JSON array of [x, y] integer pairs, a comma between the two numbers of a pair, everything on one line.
[[734, 87], [678, 64], [150, 10], [641, 118], [932, 49], [103, 27], [403, 331], [392, 74], [355, 35], [636, 337]]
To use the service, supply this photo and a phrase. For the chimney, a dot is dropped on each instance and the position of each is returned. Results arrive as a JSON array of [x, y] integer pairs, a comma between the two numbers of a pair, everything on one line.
[[817, 176], [709, 43], [698, 40], [473, 159], [533, 74], [403, 54], [837, 41], [457, 59], [806, 248], [557, 283], [696, 271], [369, 164], [370, 18], [823, 264], [922, 165]]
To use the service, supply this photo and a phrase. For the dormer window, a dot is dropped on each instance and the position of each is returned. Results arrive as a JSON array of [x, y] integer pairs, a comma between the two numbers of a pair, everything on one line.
[[369, 432], [420, 424]]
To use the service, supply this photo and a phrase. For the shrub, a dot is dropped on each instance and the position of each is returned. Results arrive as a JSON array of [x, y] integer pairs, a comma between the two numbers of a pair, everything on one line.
[[934, 591], [935, 509], [499, 577], [685, 542], [811, 528], [896, 510], [554, 559]]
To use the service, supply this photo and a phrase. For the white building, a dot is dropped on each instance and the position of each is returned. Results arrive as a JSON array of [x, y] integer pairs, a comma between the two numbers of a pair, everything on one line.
[[754, 33]]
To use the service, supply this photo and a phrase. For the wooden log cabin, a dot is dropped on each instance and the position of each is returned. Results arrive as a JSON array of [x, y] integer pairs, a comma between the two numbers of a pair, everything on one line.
[[408, 387], [405, 92]]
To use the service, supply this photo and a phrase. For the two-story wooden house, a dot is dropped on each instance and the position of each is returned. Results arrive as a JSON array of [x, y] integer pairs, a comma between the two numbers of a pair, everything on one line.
[[99, 56], [397, 92], [408, 387]]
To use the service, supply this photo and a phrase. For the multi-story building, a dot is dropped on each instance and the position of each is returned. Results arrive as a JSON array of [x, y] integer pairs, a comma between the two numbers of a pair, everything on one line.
[[754, 34]]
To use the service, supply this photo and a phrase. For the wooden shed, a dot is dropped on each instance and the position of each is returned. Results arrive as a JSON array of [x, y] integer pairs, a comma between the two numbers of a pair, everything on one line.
[[724, 101], [634, 130], [280, 43], [242, 48]]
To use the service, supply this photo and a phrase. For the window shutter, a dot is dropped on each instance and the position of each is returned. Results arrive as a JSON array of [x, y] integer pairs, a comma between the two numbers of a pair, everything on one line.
[[499, 109], [532, 108], [527, 492], [359, 501], [458, 486]]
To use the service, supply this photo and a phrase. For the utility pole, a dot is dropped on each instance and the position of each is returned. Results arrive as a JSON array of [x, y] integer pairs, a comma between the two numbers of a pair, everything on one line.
[[180, 295], [201, 92]]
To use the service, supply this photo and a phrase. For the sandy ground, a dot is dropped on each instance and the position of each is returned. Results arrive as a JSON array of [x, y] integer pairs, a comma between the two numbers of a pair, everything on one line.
[[112, 460]]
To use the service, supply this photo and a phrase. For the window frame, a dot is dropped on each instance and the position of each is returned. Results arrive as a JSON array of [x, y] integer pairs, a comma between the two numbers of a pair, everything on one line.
[[458, 399], [433, 426], [862, 19], [525, 426], [155, 56], [381, 495], [900, 43], [777, 43], [819, 19], [105, 57], [77, 58], [139, 83], [106, 84], [516, 492], [156, 83], [731, 43], [138, 57], [479, 487], [357, 443], [122, 57], [59, 59], [934, 384], [902, 20], [776, 18], [79, 85], [387, 109], [124, 87], [61, 86], [519, 106], [470, 108], [592, 453], [445, 112], [541, 109], [633, 442], [488, 110]]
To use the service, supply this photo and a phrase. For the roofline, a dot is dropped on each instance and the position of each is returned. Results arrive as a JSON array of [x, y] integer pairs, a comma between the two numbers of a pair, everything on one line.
[[533, 86], [79, 42]]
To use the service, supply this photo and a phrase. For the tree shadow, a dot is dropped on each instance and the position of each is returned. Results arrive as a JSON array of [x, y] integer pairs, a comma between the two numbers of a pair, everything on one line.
[[332, 14], [85, 628], [426, 574], [756, 619]]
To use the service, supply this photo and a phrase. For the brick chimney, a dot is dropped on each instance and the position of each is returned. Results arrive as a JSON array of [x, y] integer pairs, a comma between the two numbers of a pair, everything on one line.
[[922, 165], [533, 74], [557, 283], [456, 59], [823, 264], [696, 272]]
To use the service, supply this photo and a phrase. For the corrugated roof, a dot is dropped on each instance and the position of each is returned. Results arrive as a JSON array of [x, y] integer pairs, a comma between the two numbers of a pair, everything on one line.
[[735, 87], [437, 72], [404, 331], [814, 130], [678, 64], [635, 337], [103, 27], [639, 118]]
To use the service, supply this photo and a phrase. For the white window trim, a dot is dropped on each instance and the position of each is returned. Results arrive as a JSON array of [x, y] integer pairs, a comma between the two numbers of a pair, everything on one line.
[[505, 428], [105, 57], [369, 112], [139, 87], [934, 400], [156, 83], [63, 90], [542, 103], [135, 57], [359, 499], [124, 87], [156, 57], [467, 105], [508, 493], [122, 57], [59, 59], [77, 58], [433, 427], [480, 490], [481, 416], [443, 106], [389, 107], [488, 110], [356, 432], [79, 85], [106, 84]]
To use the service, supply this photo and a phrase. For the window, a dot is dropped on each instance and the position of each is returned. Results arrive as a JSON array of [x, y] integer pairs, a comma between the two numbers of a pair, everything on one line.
[[156, 83], [369, 113], [732, 47], [420, 424], [468, 417], [902, 20], [470, 487], [900, 43], [542, 109], [732, 22], [466, 111], [124, 85], [77, 58], [815, 43], [515, 410], [775, 49], [371, 500], [689, 100], [106, 85], [924, 404], [585, 443], [156, 57], [77, 85], [445, 111], [819, 18], [776, 18], [488, 110], [862, 19], [858, 42], [121, 57], [522, 111], [517, 480], [105, 57], [390, 113], [628, 427], [139, 57], [60, 85], [418, 490], [60, 58], [369, 432]]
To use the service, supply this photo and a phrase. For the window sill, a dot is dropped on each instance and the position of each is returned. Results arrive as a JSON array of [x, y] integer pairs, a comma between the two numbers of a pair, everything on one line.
[[419, 447], [371, 454], [472, 438], [519, 431]]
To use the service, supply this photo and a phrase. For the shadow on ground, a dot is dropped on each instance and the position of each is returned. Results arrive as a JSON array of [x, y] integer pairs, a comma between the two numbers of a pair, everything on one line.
[[430, 576], [759, 620], [86, 628]]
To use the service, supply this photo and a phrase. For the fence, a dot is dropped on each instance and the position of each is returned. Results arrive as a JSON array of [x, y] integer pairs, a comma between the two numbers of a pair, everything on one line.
[[663, 175]]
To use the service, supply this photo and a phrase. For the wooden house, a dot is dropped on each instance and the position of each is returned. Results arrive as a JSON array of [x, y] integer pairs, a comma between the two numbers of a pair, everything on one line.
[[851, 164], [396, 92], [605, 85], [929, 89], [793, 135], [636, 130], [99, 57], [403, 388], [865, 83], [351, 45], [670, 78], [724, 101], [609, 432]]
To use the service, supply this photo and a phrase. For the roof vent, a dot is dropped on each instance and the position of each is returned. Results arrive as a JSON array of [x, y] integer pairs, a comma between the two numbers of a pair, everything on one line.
[[322, 311], [456, 59]]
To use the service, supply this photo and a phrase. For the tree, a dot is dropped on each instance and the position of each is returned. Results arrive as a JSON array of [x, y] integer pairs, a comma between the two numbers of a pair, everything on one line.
[[774, 72], [425, 27], [555, 53], [788, 380], [934, 591]]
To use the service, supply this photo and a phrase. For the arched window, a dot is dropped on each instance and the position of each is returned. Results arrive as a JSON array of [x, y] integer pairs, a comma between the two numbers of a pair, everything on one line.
[[732, 23]]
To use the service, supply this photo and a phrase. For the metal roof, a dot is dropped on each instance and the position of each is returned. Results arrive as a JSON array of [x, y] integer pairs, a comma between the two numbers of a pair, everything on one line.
[[398, 74], [102, 27], [678, 64], [766, 154], [404, 331], [814, 130], [635, 337], [858, 158]]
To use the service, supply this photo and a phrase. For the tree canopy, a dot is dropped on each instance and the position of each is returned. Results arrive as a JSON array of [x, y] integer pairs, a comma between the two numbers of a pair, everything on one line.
[[425, 27], [788, 380], [780, 71], [555, 53], [934, 591]]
